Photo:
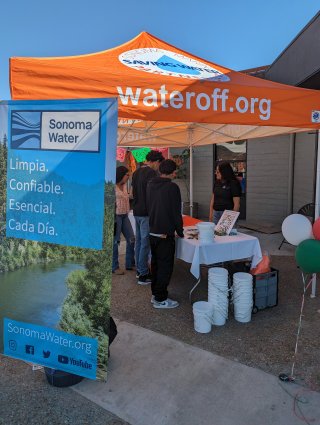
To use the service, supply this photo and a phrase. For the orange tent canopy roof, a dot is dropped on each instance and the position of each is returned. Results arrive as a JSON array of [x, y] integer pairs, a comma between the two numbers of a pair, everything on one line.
[[155, 81]]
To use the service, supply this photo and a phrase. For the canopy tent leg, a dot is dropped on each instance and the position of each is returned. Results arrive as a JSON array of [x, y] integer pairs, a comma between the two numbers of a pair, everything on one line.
[[317, 208], [190, 135]]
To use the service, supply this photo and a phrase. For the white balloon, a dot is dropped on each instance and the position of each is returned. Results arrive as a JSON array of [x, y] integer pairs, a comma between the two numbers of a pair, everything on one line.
[[296, 228]]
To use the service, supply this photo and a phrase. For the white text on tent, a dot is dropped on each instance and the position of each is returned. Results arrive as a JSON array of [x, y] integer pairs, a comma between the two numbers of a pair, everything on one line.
[[217, 101]]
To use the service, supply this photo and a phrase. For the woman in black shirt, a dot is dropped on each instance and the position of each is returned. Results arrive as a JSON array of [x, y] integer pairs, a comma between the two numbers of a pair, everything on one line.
[[226, 192]]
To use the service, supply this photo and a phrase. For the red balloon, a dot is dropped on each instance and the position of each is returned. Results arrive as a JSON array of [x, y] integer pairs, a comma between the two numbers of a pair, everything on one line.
[[316, 229]]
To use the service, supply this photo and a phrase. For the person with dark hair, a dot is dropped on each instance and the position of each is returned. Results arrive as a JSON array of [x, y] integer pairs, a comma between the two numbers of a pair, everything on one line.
[[122, 221], [164, 209], [140, 179], [226, 192]]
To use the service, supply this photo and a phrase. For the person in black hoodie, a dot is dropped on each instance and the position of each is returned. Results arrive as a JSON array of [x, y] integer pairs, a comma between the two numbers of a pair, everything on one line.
[[140, 180], [165, 219]]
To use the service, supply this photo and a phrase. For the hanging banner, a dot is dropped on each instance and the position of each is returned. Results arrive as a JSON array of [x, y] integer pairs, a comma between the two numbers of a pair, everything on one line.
[[57, 173], [140, 154], [121, 154], [164, 151]]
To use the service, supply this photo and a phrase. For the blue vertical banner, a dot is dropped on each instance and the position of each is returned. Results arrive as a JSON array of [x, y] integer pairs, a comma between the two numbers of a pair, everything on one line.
[[58, 159]]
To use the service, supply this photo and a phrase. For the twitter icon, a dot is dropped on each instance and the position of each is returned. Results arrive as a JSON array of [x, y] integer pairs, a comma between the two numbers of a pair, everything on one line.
[[46, 354]]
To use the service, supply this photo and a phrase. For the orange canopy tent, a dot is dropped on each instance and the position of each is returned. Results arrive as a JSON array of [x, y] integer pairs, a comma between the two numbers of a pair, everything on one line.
[[168, 97], [155, 81]]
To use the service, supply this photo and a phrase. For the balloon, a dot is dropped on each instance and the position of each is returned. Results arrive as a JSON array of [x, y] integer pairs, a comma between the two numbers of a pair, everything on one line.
[[308, 256], [316, 229], [296, 228]]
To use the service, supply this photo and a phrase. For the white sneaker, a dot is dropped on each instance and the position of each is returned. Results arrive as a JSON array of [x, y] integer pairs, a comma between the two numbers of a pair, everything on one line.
[[168, 303]]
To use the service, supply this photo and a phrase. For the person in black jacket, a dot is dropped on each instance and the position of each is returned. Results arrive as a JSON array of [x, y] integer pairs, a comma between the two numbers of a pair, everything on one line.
[[140, 179], [165, 219]]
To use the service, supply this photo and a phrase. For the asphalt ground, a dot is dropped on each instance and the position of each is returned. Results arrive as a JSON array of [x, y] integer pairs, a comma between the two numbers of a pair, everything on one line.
[[267, 342], [26, 398]]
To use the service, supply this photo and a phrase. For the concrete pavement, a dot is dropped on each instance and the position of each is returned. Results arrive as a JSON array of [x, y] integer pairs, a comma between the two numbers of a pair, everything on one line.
[[156, 380]]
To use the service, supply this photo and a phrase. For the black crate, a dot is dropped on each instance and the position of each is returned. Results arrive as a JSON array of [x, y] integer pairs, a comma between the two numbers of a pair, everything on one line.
[[265, 290]]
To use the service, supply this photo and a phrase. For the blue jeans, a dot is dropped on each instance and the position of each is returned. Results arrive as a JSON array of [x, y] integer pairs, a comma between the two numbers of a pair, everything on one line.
[[124, 227], [216, 216], [142, 244]]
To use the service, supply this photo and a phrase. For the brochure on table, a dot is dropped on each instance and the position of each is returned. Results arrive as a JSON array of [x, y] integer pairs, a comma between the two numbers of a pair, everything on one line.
[[226, 222]]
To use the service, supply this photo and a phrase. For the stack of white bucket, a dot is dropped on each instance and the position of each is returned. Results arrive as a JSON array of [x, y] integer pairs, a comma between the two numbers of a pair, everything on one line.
[[242, 296], [206, 231], [218, 294]]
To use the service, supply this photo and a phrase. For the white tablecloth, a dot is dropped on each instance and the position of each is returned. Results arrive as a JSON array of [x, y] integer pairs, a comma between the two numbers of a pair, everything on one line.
[[224, 248]]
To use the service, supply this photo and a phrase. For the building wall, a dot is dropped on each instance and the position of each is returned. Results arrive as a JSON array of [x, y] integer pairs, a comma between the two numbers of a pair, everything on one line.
[[300, 59], [268, 170], [202, 178], [267, 179], [304, 170]]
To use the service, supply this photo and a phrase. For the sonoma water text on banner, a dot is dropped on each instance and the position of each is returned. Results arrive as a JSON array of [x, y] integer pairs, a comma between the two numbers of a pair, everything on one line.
[[51, 347]]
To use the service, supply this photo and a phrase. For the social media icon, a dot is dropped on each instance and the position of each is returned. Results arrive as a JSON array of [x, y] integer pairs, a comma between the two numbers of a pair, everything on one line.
[[46, 354], [30, 349], [63, 359], [12, 345]]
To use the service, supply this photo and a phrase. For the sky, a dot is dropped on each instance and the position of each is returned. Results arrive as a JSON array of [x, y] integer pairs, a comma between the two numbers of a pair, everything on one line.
[[237, 34]]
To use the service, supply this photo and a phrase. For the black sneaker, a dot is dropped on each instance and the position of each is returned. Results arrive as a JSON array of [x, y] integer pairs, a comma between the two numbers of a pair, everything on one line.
[[144, 279]]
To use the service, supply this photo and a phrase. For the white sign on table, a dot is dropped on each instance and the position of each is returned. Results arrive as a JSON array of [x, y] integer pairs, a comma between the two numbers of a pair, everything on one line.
[[226, 222]]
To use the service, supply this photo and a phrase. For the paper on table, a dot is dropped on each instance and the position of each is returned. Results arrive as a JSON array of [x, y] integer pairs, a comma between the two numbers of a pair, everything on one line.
[[226, 222]]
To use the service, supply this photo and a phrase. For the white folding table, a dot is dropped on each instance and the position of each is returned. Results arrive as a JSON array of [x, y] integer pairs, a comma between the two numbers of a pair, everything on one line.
[[222, 249]]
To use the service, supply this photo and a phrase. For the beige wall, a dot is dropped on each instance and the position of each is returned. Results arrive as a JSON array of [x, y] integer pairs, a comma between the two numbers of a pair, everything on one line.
[[268, 170], [267, 179], [304, 170], [202, 178]]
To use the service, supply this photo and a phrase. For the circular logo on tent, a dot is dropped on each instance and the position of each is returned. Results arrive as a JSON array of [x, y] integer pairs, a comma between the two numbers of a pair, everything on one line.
[[164, 62], [315, 116]]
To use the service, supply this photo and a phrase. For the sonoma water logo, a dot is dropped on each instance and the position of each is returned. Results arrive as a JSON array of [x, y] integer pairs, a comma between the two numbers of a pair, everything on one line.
[[25, 130], [164, 62]]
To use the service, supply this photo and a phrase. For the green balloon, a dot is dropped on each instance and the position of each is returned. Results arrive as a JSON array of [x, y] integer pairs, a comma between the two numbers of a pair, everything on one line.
[[308, 256]]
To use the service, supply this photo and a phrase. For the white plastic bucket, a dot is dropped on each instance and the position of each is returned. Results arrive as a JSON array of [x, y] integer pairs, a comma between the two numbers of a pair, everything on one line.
[[242, 297], [202, 314], [218, 294], [219, 319], [206, 231]]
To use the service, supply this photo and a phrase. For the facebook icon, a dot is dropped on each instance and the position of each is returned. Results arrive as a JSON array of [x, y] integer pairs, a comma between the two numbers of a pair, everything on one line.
[[30, 349]]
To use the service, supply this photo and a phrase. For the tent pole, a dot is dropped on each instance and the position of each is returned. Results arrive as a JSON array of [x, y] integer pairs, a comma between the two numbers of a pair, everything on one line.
[[191, 173], [317, 207], [317, 194]]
